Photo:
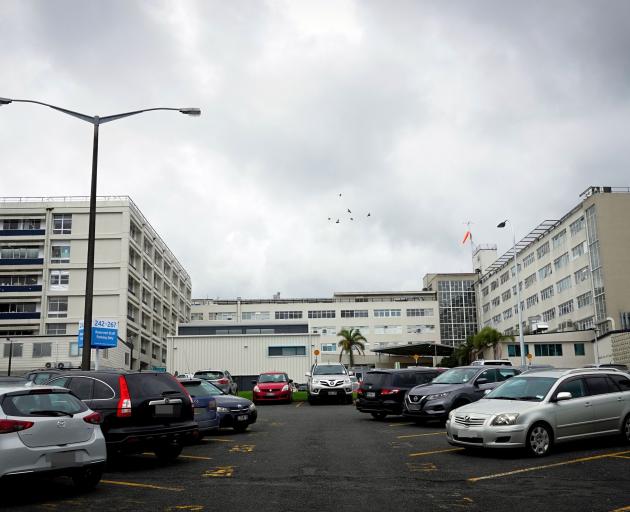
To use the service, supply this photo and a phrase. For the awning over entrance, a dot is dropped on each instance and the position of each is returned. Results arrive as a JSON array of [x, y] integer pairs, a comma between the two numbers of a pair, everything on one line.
[[418, 349]]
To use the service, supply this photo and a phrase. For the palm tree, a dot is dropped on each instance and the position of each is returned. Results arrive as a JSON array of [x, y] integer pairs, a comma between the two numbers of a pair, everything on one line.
[[351, 339], [488, 337]]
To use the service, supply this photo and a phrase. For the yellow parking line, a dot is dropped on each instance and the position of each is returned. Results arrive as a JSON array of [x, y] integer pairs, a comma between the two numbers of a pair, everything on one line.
[[218, 440], [547, 466], [194, 457], [421, 435], [621, 457], [143, 486], [420, 454], [399, 424], [622, 509]]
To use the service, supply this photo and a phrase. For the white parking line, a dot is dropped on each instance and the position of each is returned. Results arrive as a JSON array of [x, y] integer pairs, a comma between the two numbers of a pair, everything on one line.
[[421, 435]]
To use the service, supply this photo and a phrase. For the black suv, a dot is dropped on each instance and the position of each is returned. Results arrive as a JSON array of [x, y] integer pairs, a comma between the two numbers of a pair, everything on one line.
[[141, 410], [383, 391], [452, 389]]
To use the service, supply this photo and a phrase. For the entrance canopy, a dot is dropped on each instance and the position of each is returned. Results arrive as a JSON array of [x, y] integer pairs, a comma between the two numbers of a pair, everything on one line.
[[419, 349]]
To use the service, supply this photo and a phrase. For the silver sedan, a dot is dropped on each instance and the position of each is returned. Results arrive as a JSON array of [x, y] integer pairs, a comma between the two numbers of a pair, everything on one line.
[[538, 409], [48, 429]]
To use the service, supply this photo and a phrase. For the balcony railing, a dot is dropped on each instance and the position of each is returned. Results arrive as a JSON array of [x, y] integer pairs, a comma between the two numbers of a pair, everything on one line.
[[22, 288], [20, 316], [22, 232], [21, 261]]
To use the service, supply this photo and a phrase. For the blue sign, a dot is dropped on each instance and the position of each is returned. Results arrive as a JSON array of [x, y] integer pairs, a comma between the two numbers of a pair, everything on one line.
[[104, 334]]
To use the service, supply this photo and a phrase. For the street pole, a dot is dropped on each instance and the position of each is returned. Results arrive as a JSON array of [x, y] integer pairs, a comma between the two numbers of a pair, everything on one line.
[[10, 356], [96, 121], [518, 294]]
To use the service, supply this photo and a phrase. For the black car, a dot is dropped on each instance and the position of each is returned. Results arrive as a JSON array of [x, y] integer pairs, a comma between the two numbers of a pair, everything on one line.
[[452, 389], [141, 410], [383, 391]]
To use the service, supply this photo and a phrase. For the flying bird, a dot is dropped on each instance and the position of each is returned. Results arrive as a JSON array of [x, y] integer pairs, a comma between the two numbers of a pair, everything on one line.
[[349, 210], [368, 214]]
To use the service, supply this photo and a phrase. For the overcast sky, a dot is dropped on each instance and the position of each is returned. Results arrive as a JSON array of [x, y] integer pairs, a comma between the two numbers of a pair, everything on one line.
[[424, 114]]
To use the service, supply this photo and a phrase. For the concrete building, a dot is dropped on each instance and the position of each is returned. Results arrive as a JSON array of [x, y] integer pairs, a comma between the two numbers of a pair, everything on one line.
[[43, 253], [388, 320], [574, 273]]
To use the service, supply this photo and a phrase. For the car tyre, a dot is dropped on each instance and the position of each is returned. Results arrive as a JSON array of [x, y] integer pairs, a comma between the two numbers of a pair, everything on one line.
[[168, 452], [539, 440], [378, 415], [625, 430], [85, 479]]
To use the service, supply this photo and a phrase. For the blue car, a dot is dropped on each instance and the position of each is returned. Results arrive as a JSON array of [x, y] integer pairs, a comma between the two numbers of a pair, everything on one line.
[[204, 403]]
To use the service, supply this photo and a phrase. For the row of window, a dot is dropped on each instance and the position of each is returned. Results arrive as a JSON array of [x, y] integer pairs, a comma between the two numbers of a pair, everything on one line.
[[62, 224], [293, 315], [377, 329], [545, 349]]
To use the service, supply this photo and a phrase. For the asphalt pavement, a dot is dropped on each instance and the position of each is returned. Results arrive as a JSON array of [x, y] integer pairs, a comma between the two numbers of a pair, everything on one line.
[[299, 457]]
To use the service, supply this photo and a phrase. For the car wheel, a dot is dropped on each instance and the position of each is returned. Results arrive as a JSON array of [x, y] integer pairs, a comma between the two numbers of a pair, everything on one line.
[[168, 452], [240, 428], [85, 479], [626, 429], [539, 440], [378, 415], [311, 399]]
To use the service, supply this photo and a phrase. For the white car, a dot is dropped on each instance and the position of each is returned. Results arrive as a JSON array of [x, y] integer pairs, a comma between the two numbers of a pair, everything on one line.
[[48, 429], [329, 380]]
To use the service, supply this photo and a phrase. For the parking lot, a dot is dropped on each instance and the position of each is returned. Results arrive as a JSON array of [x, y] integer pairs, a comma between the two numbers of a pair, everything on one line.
[[331, 457]]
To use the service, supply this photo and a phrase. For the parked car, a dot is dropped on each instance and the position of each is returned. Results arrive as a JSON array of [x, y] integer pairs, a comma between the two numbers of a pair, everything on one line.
[[329, 380], [383, 391], [617, 366], [491, 362], [220, 378], [233, 411], [45, 429], [272, 387], [42, 376], [542, 408], [13, 381], [452, 389], [204, 403], [142, 411]]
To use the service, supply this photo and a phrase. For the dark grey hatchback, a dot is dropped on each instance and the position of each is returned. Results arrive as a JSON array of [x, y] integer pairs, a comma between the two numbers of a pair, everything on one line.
[[382, 392], [452, 389]]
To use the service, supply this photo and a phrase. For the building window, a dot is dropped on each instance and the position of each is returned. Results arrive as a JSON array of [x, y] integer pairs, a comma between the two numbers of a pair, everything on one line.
[[579, 349], [329, 347], [579, 250], [196, 316], [563, 284], [514, 350], [505, 296], [330, 313], [545, 271], [532, 301], [528, 260], [324, 331], [542, 250], [559, 240], [19, 253], [286, 351], [565, 308], [221, 315], [584, 300], [561, 261], [548, 349], [530, 280], [577, 226], [584, 324], [505, 277], [55, 328], [581, 275], [494, 285], [547, 293], [62, 223], [57, 307], [60, 253], [549, 315], [380, 313], [507, 314], [388, 329], [485, 291], [496, 301], [18, 280], [42, 349], [59, 279], [288, 315], [16, 351], [419, 329], [420, 312], [255, 315], [75, 351], [354, 313]]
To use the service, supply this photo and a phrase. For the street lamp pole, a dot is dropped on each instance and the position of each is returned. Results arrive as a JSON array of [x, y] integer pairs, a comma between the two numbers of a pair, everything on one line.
[[96, 121], [518, 293], [10, 356]]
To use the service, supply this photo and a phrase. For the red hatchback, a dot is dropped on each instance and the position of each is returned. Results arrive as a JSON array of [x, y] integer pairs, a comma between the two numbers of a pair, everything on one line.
[[273, 387]]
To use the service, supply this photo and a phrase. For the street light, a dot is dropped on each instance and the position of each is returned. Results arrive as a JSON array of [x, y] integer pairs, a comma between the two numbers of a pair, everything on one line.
[[96, 121], [518, 294]]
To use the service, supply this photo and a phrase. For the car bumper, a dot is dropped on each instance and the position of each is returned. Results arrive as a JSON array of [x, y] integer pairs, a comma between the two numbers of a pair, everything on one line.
[[18, 459], [387, 406], [331, 392], [135, 438], [270, 396], [427, 410], [486, 436], [230, 419]]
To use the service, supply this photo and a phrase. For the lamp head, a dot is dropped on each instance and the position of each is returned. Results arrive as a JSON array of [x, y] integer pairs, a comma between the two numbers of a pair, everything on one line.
[[191, 111], [501, 224], [5, 101]]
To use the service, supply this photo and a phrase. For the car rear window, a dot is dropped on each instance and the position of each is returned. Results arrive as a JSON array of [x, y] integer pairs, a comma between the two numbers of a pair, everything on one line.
[[377, 379], [42, 404], [209, 375], [151, 384], [201, 389]]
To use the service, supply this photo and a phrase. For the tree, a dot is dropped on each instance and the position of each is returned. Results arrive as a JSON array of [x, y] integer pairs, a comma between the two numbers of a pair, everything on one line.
[[351, 339], [464, 352], [488, 337]]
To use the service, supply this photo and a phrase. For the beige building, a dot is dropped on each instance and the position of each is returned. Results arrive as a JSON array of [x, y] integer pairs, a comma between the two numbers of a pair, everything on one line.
[[573, 273], [43, 253]]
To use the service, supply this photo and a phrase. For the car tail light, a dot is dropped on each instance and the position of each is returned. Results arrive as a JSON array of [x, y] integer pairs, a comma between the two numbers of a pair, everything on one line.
[[223, 381], [8, 426], [390, 391], [360, 391], [95, 418], [124, 403]]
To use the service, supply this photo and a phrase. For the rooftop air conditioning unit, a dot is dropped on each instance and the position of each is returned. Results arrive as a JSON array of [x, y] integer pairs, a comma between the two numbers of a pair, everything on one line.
[[539, 327]]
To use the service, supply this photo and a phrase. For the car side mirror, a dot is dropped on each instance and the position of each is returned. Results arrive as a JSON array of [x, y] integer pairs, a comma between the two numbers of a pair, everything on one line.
[[481, 380], [290, 381], [308, 374], [563, 395]]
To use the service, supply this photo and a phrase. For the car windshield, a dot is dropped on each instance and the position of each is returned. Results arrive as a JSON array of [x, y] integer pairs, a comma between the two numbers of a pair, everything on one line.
[[201, 389], [209, 375], [272, 377], [456, 376], [329, 369], [532, 389]]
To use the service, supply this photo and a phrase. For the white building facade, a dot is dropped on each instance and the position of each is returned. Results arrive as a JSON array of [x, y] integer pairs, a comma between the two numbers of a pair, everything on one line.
[[43, 253]]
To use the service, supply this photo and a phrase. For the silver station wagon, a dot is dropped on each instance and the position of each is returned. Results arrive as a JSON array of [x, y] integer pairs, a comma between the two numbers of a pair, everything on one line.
[[540, 408]]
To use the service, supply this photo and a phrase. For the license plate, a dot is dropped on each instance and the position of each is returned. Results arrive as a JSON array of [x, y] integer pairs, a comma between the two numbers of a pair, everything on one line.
[[62, 459], [332, 392], [242, 417], [370, 394], [199, 410], [271, 394], [164, 410]]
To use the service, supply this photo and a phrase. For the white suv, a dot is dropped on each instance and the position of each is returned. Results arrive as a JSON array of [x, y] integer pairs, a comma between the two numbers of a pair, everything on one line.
[[329, 380]]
